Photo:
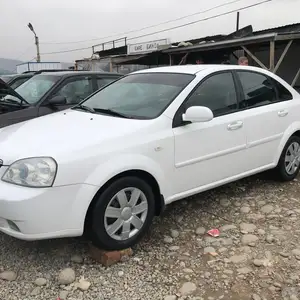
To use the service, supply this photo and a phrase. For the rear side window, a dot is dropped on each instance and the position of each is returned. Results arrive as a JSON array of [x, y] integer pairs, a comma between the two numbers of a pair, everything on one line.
[[283, 93], [101, 82], [258, 89]]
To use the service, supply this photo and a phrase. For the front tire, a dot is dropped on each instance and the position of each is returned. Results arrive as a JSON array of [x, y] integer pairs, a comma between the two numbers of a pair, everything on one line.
[[289, 162], [122, 214]]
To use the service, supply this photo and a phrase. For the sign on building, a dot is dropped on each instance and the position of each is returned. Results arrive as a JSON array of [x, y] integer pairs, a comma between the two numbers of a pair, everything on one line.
[[146, 47]]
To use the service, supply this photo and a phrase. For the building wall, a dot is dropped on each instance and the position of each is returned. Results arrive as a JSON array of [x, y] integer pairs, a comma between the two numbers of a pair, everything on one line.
[[289, 66]]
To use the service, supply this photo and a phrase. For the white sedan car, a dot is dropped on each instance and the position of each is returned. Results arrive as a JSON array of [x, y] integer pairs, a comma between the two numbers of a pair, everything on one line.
[[110, 164]]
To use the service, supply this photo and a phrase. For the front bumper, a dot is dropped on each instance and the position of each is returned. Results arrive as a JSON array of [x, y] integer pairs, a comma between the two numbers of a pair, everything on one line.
[[44, 213]]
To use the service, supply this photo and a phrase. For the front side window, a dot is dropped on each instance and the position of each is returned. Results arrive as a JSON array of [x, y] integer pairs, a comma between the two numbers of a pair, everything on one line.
[[258, 89], [36, 87], [76, 90], [141, 96], [217, 93]]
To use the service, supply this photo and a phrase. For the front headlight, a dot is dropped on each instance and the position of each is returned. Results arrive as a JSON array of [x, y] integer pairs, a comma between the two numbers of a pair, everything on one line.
[[32, 172]]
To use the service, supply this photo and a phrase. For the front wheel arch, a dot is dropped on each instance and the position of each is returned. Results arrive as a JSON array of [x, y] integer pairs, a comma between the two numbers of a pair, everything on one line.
[[147, 177]]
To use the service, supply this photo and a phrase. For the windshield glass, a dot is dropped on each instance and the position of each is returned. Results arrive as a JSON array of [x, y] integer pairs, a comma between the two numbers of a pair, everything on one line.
[[36, 87], [141, 96]]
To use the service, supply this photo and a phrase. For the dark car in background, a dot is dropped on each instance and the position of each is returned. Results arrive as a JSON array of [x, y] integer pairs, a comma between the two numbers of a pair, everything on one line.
[[16, 80], [47, 93]]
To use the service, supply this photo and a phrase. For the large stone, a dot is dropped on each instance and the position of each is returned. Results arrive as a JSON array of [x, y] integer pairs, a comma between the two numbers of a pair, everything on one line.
[[40, 281], [200, 230], [245, 209], [8, 276], [267, 209], [249, 239], [296, 252], [236, 259], [224, 202], [66, 276], [108, 258], [77, 259], [187, 288], [248, 228], [209, 250], [83, 285]]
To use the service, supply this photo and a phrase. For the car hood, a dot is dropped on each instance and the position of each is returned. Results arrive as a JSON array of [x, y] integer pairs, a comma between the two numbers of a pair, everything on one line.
[[5, 89], [66, 133]]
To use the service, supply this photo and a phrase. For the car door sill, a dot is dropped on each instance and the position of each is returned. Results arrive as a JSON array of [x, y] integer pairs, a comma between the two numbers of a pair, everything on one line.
[[217, 183]]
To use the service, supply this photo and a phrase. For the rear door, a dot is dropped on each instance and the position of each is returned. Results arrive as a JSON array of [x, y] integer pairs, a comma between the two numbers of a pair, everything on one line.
[[74, 89], [268, 107]]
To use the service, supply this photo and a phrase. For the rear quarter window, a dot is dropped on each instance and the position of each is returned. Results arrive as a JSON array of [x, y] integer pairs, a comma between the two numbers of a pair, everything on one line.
[[283, 93]]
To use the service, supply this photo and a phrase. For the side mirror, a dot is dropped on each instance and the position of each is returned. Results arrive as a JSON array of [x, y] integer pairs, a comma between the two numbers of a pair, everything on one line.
[[196, 114], [57, 100]]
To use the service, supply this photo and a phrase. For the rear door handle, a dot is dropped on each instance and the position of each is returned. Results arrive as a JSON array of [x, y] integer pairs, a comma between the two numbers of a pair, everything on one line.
[[283, 113], [235, 125]]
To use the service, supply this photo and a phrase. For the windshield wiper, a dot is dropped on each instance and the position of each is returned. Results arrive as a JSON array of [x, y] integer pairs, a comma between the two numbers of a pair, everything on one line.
[[111, 113], [85, 108]]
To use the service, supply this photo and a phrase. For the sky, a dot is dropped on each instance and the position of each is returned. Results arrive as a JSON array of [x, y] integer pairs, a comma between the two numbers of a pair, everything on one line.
[[63, 25]]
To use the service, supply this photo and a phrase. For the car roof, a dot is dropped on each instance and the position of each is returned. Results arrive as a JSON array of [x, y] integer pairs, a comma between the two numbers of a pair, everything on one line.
[[194, 69], [78, 73]]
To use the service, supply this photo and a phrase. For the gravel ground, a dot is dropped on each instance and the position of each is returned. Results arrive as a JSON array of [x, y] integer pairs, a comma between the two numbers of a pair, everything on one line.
[[256, 256]]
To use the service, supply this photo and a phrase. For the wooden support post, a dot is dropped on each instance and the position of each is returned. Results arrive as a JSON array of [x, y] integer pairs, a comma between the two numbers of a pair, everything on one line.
[[272, 56], [254, 58], [237, 21], [170, 59], [296, 78], [287, 47]]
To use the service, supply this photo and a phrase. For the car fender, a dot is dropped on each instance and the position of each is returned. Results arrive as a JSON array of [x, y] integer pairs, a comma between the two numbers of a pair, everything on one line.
[[114, 166], [126, 162], [287, 134]]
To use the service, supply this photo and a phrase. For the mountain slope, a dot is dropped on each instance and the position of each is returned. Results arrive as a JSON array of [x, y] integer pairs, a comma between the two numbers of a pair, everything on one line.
[[8, 65]]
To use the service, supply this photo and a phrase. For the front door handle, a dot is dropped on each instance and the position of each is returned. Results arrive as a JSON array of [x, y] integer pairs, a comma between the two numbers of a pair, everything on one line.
[[283, 113], [235, 125]]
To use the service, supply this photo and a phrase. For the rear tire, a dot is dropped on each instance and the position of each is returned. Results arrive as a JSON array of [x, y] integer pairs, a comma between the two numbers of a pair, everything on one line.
[[289, 162], [122, 214]]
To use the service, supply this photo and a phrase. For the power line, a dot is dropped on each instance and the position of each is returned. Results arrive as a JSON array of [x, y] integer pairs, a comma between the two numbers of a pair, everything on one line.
[[201, 20], [147, 27], [171, 28]]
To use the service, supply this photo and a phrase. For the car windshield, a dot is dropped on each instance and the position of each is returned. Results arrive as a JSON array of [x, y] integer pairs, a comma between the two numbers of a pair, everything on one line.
[[140, 96], [36, 87]]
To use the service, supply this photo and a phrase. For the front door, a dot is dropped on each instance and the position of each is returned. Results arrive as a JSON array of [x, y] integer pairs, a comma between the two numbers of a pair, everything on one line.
[[210, 152]]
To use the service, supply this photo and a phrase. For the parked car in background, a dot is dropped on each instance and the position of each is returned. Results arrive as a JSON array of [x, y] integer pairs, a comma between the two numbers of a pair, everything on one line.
[[48, 92], [16, 80], [109, 164]]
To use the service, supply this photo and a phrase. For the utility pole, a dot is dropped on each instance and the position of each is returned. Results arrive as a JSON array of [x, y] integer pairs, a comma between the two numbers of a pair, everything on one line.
[[237, 21], [36, 39]]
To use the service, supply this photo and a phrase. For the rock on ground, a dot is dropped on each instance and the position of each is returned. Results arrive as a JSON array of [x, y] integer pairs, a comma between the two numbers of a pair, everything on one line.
[[66, 276]]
